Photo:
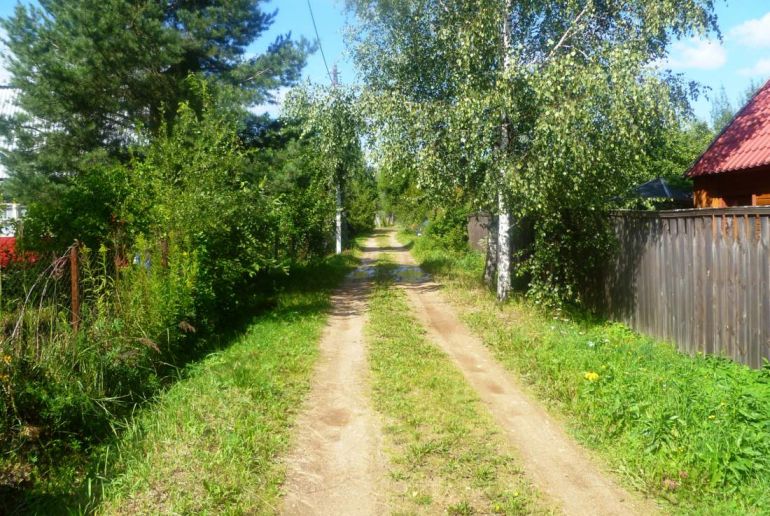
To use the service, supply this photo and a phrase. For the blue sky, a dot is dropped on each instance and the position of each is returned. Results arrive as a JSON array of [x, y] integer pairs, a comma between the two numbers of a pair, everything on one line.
[[741, 57], [294, 16], [743, 54]]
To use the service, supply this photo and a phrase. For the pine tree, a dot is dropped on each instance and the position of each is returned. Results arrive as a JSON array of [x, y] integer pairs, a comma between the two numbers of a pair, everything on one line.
[[98, 75]]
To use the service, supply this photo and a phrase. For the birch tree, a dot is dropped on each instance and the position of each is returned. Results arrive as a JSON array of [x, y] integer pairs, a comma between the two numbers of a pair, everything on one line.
[[331, 122], [539, 108]]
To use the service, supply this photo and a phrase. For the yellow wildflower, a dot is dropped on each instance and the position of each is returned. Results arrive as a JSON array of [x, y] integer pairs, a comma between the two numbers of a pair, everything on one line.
[[4, 378], [591, 376], [7, 359]]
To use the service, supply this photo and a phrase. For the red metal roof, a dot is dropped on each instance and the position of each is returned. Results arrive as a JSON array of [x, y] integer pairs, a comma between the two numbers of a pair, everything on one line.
[[743, 144]]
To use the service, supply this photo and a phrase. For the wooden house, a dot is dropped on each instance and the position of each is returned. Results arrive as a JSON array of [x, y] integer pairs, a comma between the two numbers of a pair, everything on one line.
[[735, 169]]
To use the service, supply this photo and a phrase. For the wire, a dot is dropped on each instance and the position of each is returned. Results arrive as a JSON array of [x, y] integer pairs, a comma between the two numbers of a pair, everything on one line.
[[318, 39]]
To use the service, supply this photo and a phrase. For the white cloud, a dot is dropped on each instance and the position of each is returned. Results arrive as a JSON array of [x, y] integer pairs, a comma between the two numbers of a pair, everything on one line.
[[753, 33], [760, 69], [274, 109], [694, 53]]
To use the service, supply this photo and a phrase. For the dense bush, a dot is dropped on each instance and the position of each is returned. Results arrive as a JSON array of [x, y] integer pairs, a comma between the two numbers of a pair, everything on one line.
[[449, 227], [195, 188], [360, 202], [201, 227]]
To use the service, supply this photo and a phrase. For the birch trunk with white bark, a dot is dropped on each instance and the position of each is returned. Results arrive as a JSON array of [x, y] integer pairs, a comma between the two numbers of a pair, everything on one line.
[[503, 250], [504, 214]]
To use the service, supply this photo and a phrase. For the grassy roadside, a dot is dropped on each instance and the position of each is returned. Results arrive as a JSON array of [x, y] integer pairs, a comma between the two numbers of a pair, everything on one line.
[[692, 431], [207, 443], [446, 454]]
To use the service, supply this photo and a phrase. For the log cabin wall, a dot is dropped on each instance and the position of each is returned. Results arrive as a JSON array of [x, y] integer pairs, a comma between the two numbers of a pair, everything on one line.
[[729, 189]]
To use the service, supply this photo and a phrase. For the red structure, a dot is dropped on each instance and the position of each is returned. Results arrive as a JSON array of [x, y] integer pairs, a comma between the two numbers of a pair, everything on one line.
[[7, 251], [8, 255], [735, 169]]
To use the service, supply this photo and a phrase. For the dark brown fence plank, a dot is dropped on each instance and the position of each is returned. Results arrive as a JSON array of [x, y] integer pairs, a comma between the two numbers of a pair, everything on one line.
[[699, 278]]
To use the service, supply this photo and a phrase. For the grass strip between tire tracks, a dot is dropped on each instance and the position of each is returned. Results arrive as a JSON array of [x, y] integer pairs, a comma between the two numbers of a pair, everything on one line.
[[446, 454]]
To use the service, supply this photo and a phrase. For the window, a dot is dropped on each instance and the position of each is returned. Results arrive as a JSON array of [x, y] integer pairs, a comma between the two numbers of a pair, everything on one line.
[[738, 200]]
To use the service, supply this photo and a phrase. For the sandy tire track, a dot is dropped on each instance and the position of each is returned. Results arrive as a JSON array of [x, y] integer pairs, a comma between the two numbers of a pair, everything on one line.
[[558, 466], [337, 466]]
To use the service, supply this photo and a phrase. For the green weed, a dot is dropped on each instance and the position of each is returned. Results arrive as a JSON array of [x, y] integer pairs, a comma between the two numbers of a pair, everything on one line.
[[208, 442]]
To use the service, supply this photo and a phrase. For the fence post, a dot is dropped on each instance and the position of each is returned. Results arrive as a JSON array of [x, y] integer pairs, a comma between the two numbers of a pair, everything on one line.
[[75, 286]]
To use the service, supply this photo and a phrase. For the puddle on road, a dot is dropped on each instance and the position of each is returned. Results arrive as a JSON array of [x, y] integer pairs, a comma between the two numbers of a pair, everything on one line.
[[363, 273], [409, 274], [399, 274]]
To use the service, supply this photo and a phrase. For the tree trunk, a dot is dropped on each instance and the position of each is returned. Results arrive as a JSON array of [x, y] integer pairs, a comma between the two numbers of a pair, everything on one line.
[[503, 250], [504, 214], [338, 220], [490, 266]]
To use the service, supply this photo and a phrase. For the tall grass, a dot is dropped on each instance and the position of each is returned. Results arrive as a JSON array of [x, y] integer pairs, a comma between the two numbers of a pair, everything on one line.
[[63, 393], [62, 388]]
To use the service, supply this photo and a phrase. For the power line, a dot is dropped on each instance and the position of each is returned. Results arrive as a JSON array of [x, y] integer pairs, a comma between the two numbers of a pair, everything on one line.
[[320, 46]]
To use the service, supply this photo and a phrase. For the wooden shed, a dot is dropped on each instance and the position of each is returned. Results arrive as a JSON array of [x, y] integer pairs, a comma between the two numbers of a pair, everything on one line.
[[735, 169]]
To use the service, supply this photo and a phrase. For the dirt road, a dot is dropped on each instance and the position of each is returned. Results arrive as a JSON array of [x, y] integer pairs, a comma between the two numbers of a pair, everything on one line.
[[552, 460], [337, 465]]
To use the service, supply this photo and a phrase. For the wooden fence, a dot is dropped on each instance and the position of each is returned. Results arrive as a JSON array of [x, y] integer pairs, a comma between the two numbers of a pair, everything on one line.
[[698, 278], [478, 231]]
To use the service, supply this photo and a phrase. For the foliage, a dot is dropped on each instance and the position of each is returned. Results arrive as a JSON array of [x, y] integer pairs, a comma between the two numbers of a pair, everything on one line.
[[195, 187], [558, 115], [330, 119], [691, 430], [677, 151], [206, 230], [248, 389], [722, 111], [449, 227], [399, 195], [331, 124], [61, 386], [304, 207], [189, 212], [360, 201], [97, 77]]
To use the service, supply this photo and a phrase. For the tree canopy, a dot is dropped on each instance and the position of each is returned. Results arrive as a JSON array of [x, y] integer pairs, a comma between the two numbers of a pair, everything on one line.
[[96, 77], [554, 107], [332, 124]]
